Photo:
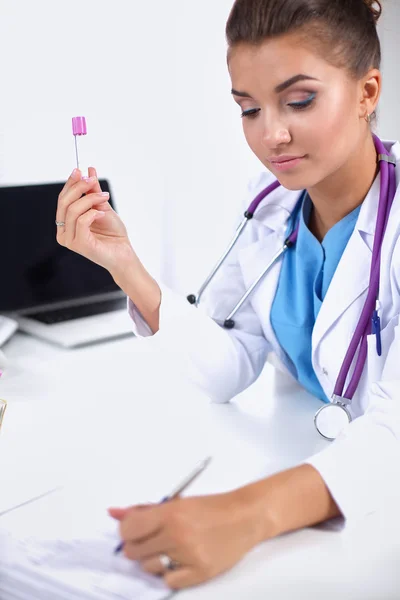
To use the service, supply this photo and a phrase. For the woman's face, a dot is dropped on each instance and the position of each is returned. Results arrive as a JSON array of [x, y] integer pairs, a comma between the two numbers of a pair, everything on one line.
[[317, 119]]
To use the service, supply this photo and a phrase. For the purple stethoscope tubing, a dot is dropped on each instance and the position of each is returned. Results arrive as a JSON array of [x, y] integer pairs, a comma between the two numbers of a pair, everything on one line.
[[369, 313], [387, 194]]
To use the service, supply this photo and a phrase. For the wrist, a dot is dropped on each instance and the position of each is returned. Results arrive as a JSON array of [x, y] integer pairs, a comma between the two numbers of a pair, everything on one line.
[[126, 272], [137, 283], [142, 289], [289, 500], [252, 502]]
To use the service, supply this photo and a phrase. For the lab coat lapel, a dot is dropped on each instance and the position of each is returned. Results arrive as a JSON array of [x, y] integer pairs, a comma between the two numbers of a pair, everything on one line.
[[253, 260], [272, 215], [351, 277], [340, 296], [256, 256]]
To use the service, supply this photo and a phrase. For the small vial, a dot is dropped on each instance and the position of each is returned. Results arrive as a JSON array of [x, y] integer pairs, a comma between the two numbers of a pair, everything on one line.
[[79, 130]]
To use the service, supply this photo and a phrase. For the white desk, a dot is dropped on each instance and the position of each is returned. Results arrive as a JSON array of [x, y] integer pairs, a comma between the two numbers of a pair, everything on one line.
[[118, 406]]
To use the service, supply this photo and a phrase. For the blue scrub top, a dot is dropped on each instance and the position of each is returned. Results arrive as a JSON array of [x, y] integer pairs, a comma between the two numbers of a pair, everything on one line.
[[306, 273]]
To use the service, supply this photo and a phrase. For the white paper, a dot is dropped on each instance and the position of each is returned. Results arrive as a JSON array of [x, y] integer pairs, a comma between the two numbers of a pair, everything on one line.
[[61, 547], [24, 475]]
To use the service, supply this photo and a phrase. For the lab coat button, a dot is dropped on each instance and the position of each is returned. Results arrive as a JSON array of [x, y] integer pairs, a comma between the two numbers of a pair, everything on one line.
[[325, 372]]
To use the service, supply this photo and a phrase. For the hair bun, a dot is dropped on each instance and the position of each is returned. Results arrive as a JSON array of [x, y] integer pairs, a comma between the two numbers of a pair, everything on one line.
[[375, 7]]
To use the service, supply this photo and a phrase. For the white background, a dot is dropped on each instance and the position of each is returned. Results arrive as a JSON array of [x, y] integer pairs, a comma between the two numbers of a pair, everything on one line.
[[152, 81]]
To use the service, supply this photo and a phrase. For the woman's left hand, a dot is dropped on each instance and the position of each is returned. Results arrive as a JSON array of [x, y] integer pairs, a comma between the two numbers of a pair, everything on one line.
[[204, 536]]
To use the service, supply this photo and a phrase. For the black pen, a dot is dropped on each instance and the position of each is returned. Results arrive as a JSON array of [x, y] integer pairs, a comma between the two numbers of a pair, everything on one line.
[[178, 489]]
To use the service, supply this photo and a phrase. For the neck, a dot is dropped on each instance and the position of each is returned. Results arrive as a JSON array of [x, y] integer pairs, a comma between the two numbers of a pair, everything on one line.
[[340, 193]]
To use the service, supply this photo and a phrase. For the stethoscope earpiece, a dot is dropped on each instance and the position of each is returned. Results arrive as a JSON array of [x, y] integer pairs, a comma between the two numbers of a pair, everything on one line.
[[191, 299]]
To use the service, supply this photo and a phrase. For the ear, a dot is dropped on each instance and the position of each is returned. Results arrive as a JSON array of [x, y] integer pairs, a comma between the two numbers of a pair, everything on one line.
[[370, 87]]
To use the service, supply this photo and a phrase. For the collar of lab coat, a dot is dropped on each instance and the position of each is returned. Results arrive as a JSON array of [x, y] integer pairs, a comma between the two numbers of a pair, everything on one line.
[[366, 221], [275, 210]]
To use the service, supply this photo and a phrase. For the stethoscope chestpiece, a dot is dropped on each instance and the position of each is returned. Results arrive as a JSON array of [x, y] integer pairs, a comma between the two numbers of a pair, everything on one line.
[[332, 419]]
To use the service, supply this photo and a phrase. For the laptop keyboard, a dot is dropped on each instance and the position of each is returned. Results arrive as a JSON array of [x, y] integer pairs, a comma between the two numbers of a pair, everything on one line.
[[77, 312]]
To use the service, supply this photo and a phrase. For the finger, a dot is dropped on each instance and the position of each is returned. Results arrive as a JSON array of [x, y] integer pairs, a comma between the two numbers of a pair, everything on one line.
[[84, 223], [72, 179], [76, 210], [72, 194], [148, 547], [141, 524], [93, 173], [75, 176], [182, 578], [152, 565], [155, 566], [120, 513]]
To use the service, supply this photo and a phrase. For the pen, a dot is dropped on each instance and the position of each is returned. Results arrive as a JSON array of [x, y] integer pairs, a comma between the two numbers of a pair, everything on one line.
[[179, 488]]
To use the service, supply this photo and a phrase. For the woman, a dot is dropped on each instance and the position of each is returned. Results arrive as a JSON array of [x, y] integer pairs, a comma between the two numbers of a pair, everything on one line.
[[306, 76]]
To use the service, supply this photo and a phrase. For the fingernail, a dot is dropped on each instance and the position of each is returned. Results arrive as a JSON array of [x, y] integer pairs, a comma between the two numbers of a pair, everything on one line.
[[73, 174], [104, 194]]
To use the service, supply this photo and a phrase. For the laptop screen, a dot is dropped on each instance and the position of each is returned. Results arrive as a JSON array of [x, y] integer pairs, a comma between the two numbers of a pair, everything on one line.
[[35, 269]]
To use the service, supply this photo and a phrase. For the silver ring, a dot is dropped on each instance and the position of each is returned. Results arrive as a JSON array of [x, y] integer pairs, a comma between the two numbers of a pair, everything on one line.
[[168, 563], [60, 223]]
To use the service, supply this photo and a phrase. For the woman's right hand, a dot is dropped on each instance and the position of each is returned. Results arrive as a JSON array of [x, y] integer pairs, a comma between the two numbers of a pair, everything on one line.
[[92, 228]]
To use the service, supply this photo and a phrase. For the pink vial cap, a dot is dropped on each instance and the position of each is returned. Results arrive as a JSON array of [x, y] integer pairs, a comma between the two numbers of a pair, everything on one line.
[[79, 126]]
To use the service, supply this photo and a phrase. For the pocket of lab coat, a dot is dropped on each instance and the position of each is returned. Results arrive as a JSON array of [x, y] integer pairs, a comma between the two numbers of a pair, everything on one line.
[[376, 363]]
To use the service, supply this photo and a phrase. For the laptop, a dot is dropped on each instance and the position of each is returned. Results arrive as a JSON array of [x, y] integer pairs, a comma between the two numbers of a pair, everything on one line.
[[52, 292]]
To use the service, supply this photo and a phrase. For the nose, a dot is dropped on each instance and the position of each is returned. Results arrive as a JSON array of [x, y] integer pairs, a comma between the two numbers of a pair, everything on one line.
[[274, 133]]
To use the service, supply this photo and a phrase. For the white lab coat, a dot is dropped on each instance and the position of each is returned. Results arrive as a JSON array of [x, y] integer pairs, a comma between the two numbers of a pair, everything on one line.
[[362, 467]]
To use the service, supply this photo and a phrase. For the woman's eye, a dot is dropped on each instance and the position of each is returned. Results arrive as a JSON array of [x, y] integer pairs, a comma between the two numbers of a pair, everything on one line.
[[250, 113], [253, 112], [304, 104]]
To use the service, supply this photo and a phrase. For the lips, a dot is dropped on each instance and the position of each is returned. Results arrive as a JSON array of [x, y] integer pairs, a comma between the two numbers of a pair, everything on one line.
[[283, 159], [286, 165]]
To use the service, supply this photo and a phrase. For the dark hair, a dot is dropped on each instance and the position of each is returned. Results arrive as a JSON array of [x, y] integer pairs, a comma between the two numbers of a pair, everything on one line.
[[343, 30]]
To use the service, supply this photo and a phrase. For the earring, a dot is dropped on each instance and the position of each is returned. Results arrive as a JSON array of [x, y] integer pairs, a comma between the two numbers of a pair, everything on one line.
[[368, 118]]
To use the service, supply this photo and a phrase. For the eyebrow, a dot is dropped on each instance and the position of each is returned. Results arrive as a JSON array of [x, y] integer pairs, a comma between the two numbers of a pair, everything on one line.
[[281, 87]]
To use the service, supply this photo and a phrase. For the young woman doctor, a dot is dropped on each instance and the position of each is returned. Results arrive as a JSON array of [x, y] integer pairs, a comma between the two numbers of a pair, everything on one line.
[[305, 74]]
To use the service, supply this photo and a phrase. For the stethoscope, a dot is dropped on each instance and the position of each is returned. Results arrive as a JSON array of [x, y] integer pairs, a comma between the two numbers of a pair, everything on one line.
[[331, 419]]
